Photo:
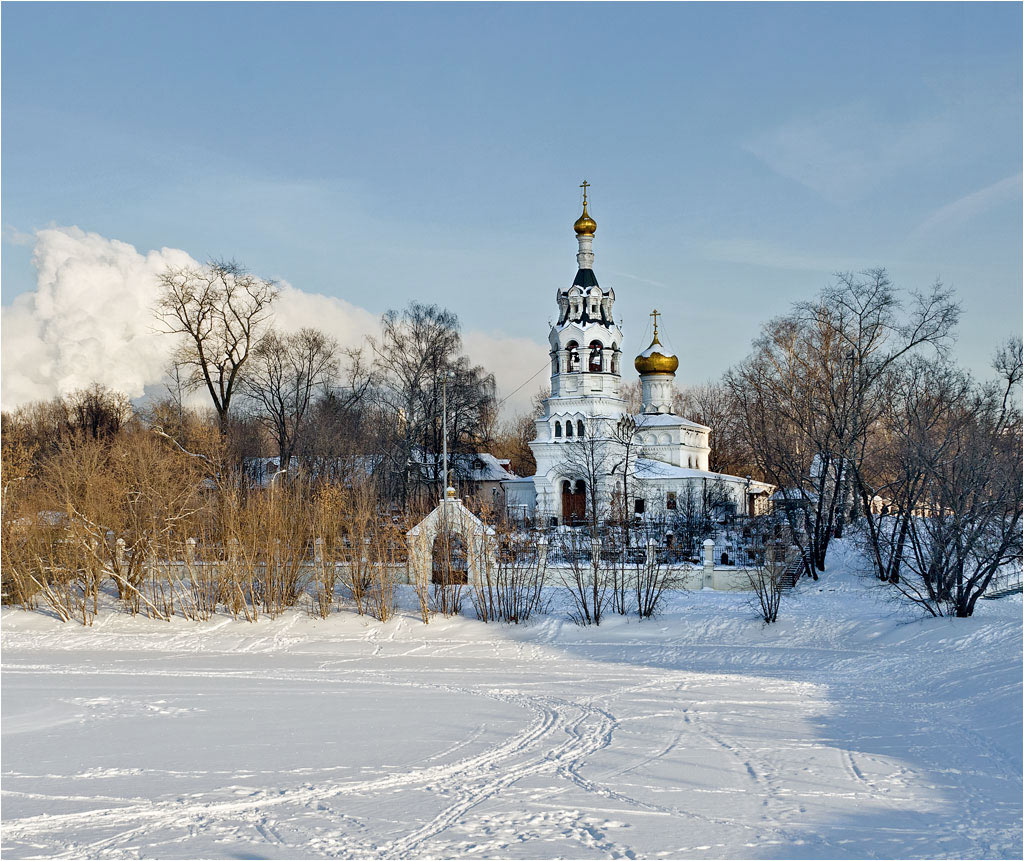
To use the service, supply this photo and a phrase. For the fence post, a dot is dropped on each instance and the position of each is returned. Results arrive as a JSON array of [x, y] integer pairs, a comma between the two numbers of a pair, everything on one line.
[[542, 558], [190, 550], [119, 546], [318, 552], [595, 552], [709, 563], [652, 555]]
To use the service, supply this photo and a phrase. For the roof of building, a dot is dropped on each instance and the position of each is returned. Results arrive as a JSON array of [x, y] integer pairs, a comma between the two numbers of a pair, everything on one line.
[[655, 469], [660, 420], [481, 467]]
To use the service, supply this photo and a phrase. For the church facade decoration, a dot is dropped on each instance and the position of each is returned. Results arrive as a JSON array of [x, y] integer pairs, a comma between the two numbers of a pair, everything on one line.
[[579, 436]]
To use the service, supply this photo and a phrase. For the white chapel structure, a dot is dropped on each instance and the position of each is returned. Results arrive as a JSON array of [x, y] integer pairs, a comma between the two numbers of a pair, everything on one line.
[[579, 436]]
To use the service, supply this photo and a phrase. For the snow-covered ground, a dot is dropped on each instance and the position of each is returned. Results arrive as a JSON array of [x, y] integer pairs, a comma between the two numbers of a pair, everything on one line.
[[851, 729]]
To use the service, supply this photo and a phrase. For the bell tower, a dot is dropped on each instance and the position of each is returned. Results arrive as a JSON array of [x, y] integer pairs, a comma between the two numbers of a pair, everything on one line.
[[585, 342], [585, 349]]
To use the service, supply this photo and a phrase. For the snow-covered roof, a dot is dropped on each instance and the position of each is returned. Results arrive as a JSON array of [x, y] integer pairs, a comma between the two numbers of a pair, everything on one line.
[[657, 420], [658, 348], [262, 470], [794, 494], [647, 469], [481, 467]]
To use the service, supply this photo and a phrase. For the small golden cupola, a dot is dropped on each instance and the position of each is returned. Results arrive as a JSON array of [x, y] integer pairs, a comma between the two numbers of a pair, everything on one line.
[[585, 225], [656, 359]]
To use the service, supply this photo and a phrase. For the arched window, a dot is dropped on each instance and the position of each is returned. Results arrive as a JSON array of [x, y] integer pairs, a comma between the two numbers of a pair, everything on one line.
[[558, 429], [596, 350], [579, 428], [574, 355], [568, 428]]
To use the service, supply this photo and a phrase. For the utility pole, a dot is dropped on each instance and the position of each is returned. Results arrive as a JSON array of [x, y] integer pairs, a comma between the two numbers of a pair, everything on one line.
[[444, 430]]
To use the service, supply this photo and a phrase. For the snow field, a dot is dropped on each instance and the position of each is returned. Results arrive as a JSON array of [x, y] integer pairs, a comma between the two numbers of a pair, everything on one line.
[[848, 730]]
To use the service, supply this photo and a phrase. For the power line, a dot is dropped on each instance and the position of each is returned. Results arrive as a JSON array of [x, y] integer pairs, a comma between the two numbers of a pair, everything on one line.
[[517, 388]]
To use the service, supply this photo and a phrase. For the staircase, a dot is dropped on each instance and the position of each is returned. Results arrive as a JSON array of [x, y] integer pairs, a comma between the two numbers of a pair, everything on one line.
[[1004, 586], [792, 574]]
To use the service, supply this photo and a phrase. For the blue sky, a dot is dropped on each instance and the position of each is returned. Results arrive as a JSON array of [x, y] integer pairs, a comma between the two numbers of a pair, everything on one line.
[[738, 153]]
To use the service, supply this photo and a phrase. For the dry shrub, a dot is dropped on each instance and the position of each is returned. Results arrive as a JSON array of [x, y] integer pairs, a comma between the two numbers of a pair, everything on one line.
[[767, 583], [327, 531], [510, 586], [358, 514], [43, 565], [389, 555], [271, 531]]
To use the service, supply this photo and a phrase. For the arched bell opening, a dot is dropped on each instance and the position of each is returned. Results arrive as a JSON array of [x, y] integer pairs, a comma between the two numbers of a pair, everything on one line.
[[573, 349]]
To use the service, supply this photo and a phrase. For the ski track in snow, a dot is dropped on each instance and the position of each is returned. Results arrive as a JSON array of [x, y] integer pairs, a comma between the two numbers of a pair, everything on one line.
[[626, 742]]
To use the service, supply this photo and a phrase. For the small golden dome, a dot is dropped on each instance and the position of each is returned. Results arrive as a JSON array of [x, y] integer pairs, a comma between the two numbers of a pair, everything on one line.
[[652, 361], [585, 225]]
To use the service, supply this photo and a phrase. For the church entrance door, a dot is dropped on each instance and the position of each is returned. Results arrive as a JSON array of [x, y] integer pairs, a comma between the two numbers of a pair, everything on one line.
[[574, 502]]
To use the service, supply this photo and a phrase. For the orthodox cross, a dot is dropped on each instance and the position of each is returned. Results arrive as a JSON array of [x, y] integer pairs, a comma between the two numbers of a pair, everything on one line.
[[655, 314], [584, 185]]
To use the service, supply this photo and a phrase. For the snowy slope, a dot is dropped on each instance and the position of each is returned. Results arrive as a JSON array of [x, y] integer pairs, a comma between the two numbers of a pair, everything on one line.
[[851, 729]]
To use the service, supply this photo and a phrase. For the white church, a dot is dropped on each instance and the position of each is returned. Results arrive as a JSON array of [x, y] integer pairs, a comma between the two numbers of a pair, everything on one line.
[[581, 435]]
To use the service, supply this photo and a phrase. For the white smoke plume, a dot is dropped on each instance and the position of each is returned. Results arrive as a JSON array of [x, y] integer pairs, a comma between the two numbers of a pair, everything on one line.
[[90, 319]]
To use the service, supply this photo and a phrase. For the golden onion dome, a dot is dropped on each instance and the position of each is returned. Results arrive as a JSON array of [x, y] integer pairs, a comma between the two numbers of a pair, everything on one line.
[[653, 361], [585, 225]]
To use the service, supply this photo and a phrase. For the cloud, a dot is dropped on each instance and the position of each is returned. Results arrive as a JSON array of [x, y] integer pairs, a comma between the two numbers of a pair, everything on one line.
[[90, 319], [347, 323], [845, 153], [962, 210], [520, 366]]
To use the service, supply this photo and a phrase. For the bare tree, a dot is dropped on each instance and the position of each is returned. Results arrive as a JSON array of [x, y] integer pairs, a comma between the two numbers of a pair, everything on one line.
[[1009, 365], [419, 354], [589, 460], [814, 385], [632, 394], [585, 579], [949, 500], [713, 405], [286, 373], [219, 312], [97, 412], [515, 435], [348, 427]]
